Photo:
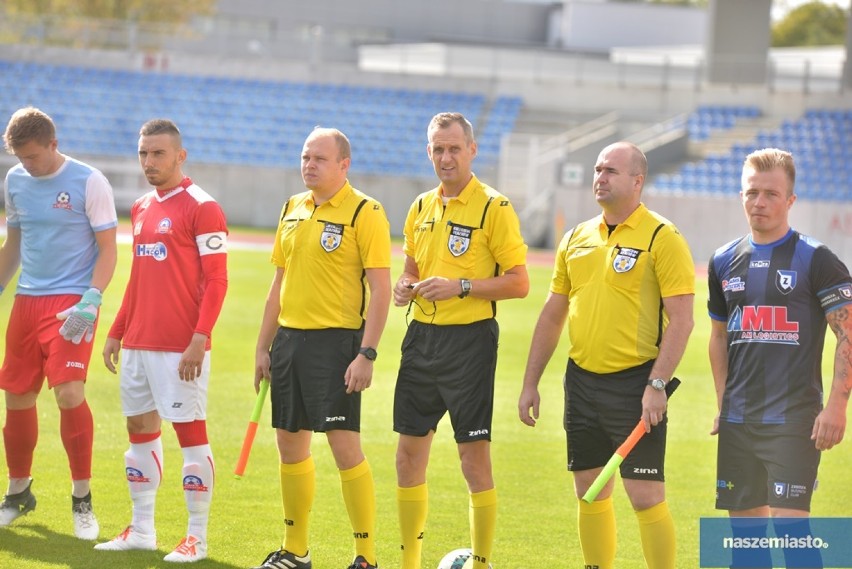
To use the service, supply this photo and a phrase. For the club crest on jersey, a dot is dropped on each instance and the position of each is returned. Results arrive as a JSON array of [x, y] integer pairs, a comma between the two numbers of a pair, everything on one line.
[[785, 281], [332, 235], [63, 201], [165, 225], [780, 489], [459, 240], [845, 292], [625, 259]]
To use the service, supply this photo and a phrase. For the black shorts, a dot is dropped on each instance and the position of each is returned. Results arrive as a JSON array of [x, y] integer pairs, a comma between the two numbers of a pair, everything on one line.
[[759, 465], [447, 368], [307, 388], [600, 412]]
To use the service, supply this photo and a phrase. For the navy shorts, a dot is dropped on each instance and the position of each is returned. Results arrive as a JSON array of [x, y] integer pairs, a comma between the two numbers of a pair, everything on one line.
[[307, 387], [759, 465], [447, 368], [600, 412]]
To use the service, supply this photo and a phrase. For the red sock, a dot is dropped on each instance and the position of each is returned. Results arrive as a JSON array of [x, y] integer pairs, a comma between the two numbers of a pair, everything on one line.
[[77, 430], [20, 436], [191, 434], [142, 438]]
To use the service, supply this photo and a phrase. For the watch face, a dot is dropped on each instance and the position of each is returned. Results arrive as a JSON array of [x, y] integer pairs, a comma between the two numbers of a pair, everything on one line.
[[657, 384]]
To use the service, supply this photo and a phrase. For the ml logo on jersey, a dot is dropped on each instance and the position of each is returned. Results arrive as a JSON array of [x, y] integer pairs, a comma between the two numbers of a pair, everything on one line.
[[785, 281], [63, 201], [762, 264], [625, 259], [765, 324], [193, 483], [165, 226], [156, 250], [459, 240], [332, 235]]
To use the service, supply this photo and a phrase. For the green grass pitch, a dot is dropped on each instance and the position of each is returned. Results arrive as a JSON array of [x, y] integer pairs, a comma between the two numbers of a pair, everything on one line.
[[537, 509]]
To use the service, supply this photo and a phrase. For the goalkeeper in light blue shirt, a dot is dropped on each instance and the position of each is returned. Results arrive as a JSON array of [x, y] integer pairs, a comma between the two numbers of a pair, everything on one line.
[[61, 228]]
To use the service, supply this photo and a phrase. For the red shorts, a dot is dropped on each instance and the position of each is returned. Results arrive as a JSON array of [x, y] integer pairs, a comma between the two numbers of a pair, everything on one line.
[[35, 350]]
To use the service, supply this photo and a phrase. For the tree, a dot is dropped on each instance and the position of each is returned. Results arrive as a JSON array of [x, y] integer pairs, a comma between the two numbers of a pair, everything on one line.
[[170, 11], [694, 3], [814, 23]]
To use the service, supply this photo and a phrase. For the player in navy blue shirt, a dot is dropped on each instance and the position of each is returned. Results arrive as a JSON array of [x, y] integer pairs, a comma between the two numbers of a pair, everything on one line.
[[771, 294]]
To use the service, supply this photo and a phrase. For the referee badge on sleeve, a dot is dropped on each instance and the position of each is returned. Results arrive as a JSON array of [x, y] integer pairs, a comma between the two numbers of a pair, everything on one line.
[[625, 259], [459, 240], [332, 235]]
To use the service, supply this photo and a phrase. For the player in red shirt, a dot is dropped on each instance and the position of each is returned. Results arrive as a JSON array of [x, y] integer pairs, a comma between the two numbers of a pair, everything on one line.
[[177, 285]]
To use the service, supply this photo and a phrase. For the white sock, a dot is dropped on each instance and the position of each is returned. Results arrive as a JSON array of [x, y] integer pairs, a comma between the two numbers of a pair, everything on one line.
[[144, 462], [17, 485], [198, 478], [80, 488]]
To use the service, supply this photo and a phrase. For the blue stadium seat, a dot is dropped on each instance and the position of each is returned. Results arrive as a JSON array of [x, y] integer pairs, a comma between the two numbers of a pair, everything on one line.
[[820, 140], [245, 121]]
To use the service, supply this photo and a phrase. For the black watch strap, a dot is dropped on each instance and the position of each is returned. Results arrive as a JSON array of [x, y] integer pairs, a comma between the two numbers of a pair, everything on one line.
[[465, 287], [369, 353]]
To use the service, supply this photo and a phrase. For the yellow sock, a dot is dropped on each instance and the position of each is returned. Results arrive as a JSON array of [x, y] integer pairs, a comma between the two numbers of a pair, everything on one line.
[[656, 528], [483, 520], [359, 494], [596, 523], [413, 504], [297, 494]]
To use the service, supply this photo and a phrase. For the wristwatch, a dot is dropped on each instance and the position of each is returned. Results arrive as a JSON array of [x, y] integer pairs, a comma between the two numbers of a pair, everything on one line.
[[657, 383], [369, 353], [465, 287]]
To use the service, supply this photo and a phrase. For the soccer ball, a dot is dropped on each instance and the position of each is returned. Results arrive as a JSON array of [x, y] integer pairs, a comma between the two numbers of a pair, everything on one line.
[[458, 559]]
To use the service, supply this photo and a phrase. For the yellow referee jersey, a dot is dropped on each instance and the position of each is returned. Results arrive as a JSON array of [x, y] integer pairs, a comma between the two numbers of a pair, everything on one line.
[[476, 235], [615, 285], [324, 250]]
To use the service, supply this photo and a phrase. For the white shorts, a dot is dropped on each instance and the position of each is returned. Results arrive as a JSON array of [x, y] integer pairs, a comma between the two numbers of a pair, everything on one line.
[[150, 382]]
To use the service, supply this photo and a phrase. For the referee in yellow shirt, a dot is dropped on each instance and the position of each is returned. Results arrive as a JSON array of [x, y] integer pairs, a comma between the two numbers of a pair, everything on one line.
[[625, 281], [323, 318], [463, 252]]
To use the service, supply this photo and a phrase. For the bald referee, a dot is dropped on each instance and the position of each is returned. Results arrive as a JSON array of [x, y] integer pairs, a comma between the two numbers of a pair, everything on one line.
[[625, 282], [463, 252], [324, 315]]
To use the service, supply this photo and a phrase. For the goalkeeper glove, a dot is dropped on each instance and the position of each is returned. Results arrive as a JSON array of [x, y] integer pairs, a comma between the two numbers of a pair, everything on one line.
[[80, 318]]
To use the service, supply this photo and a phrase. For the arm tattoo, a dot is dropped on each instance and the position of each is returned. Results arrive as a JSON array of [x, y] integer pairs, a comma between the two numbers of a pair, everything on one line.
[[840, 324]]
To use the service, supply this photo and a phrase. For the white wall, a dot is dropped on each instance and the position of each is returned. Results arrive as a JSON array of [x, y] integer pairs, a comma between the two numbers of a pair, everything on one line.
[[600, 26]]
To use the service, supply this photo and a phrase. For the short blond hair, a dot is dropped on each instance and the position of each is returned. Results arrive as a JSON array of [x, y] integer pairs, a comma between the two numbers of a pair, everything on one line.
[[344, 148], [28, 124], [767, 159]]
